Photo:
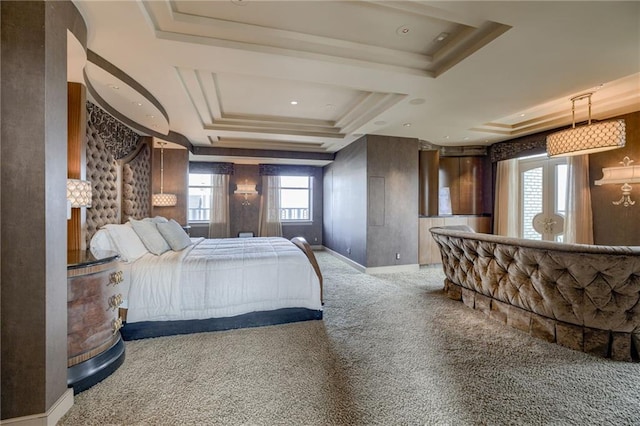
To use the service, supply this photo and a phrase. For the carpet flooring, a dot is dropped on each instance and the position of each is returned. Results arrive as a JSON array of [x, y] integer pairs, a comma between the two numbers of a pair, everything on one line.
[[391, 350]]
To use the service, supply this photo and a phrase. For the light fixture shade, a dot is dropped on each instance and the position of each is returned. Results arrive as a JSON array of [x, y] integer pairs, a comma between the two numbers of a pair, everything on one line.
[[595, 137], [79, 192], [618, 175], [164, 200], [245, 189]]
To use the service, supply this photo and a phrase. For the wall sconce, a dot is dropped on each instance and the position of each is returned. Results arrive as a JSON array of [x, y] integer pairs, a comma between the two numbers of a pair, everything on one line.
[[78, 194], [596, 137], [162, 199], [625, 175], [245, 189]]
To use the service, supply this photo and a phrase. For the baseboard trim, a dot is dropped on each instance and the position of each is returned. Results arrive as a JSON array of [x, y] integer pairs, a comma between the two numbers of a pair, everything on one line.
[[346, 260], [50, 418], [414, 267], [393, 269]]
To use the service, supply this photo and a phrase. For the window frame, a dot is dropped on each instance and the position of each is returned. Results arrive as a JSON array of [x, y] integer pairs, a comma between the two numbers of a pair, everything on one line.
[[309, 189], [208, 208]]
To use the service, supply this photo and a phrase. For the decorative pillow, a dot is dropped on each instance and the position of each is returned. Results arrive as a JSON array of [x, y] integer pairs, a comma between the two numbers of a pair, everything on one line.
[[174, 234], [157, 219], [126, 242], [150, 236], [101, 241]]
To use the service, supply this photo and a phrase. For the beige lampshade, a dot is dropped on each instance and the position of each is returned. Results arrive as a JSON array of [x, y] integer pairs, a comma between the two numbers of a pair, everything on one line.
[[164, 200], [245, 189], [622, 174], [595, 137], [79, 193]]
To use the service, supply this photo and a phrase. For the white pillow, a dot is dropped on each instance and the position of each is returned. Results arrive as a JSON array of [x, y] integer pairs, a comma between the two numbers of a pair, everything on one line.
[[101, 241], [157, 219], [174, 234], [150, 236], [126, 242]]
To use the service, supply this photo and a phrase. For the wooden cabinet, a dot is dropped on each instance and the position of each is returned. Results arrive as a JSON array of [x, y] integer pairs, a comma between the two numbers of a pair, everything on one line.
[[464, 176], [428, 251], [94, 345]]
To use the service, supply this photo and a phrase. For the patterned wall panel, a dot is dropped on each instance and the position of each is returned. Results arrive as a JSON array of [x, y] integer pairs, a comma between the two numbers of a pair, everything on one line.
[[118, 138]]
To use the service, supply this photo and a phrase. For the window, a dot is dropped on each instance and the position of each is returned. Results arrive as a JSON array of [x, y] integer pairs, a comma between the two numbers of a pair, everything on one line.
[[295, 198], [199, 197], [543, 188]]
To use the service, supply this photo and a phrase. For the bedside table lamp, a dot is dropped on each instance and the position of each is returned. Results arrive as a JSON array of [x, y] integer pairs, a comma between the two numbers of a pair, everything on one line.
[[78, 194]]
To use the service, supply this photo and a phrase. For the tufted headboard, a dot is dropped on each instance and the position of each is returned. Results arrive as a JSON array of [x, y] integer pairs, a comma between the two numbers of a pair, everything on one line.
[[136, 183], [119, 168], [102, 172]]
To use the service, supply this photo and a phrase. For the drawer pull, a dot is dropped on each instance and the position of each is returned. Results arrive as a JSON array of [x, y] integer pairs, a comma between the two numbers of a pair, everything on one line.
[[116, 325], [116, 278], [115, 301]]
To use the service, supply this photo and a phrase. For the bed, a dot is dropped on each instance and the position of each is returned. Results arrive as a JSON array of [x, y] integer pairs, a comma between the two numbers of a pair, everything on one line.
[[189, 285]]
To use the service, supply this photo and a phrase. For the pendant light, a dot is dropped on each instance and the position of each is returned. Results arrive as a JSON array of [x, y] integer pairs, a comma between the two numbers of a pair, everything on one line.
[[596, 137], [162, 199]]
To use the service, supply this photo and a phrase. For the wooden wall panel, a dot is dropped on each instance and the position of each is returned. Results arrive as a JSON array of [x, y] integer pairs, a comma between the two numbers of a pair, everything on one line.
[[428, 182], [176, 181], [448, 178], [464, 176], [76, 158]]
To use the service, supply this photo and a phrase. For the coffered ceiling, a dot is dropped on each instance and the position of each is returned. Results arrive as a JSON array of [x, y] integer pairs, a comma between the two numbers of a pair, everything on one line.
[[312, 76]]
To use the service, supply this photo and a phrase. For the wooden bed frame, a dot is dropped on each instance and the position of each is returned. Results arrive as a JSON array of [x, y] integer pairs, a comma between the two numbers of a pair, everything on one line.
[[147, 329]]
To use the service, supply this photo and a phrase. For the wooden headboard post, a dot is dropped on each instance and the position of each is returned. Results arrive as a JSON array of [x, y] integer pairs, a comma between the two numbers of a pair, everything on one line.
[[76, 158]]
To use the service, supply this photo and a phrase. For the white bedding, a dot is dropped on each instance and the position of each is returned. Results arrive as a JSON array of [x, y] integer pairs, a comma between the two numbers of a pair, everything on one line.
[[216, 278]]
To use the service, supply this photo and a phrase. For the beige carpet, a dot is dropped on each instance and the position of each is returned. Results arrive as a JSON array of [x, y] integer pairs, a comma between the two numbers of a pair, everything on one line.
[[391, 350]]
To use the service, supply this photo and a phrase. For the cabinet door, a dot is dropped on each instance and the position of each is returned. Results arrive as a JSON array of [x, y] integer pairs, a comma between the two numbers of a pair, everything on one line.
[[464, 178]]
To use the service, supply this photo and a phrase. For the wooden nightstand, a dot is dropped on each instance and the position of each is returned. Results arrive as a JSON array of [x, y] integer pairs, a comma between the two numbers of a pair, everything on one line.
[[95, 347]]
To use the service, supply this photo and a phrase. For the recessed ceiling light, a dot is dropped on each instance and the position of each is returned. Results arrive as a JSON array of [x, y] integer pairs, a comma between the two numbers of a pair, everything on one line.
[[440, 37], [294, 102], [329, 106], [114, 87], [403, 30], [239, 2], [466, 138], [417, 101], [522, 115], [407, 124], [151, 116], [446, 137], [380, 123], [137, 103]]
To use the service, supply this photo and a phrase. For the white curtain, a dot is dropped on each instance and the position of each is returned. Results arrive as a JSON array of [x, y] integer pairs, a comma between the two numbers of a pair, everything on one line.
[[507, 206], [219, 221], [578, 223], [270, 225]]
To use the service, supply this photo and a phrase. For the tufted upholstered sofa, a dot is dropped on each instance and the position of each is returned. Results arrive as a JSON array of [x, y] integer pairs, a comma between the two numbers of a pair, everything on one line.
[[585, 297]]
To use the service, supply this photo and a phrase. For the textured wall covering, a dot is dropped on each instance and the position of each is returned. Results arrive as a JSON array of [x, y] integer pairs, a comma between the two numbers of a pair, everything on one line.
[[581, 296], [136, 183], [215, 168], [616, 225], [117, 138]]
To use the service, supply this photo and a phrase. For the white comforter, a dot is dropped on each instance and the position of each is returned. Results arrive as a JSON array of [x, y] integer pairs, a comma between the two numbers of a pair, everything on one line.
[[216, 278]]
